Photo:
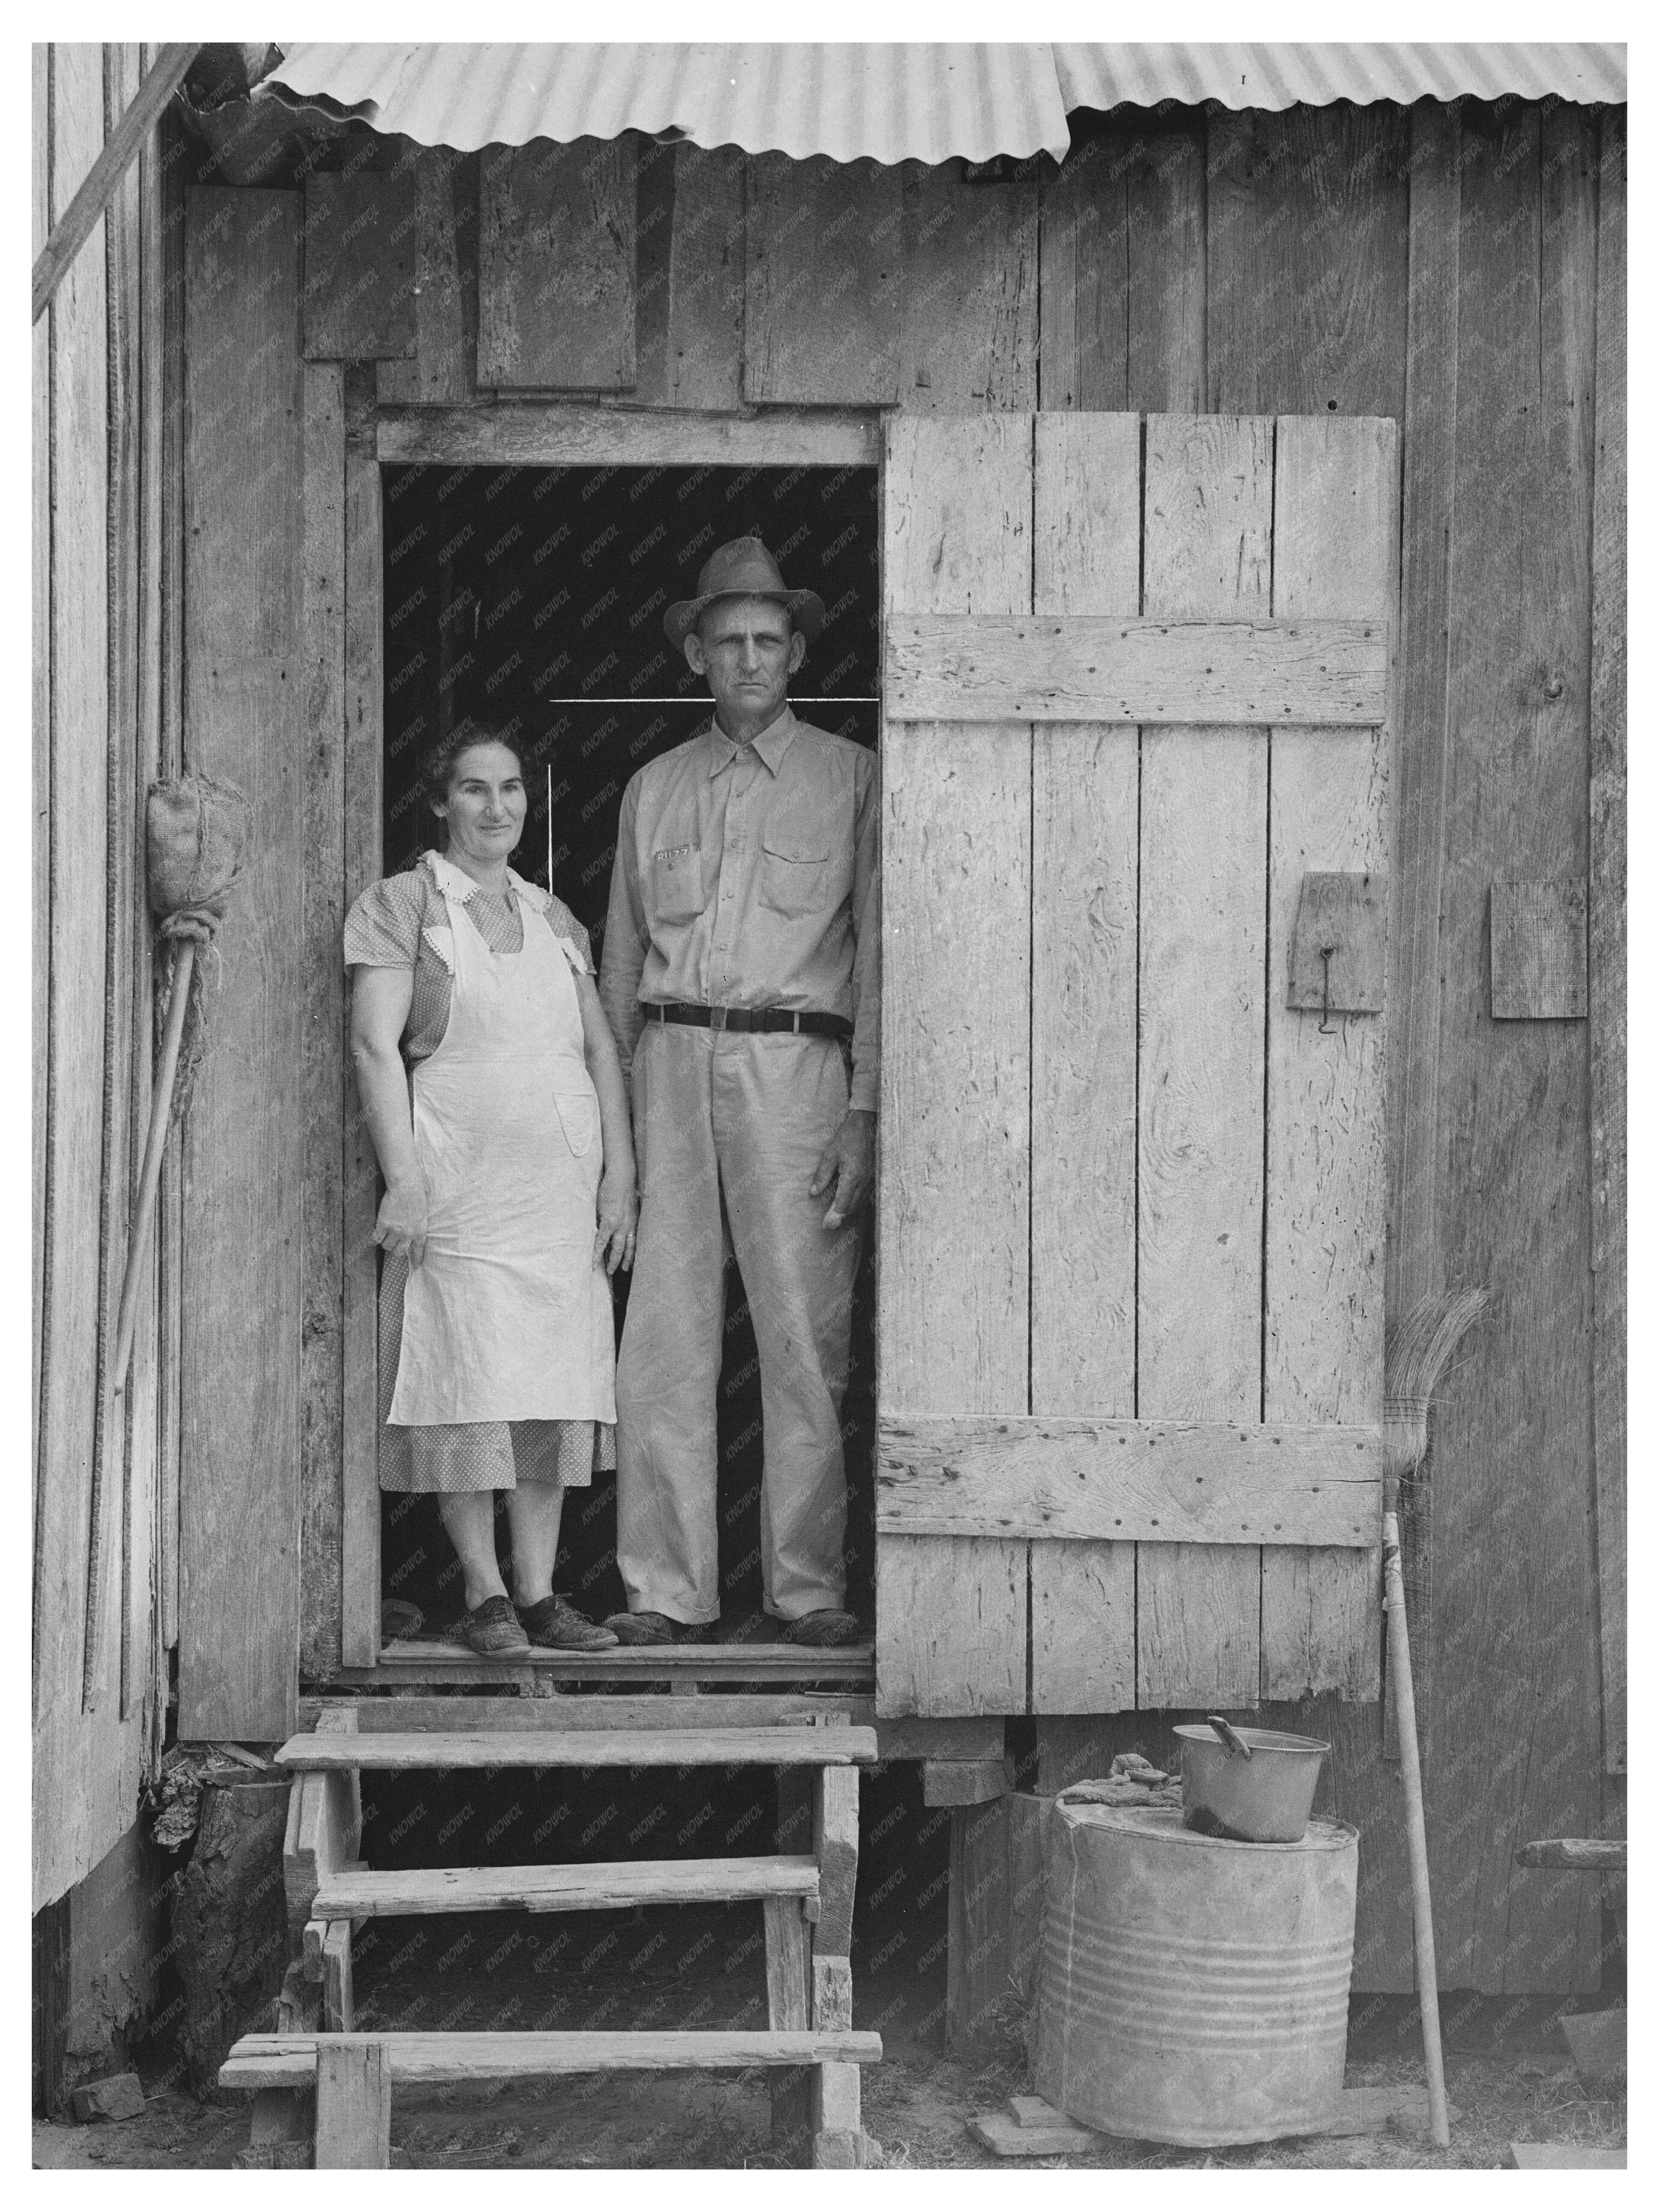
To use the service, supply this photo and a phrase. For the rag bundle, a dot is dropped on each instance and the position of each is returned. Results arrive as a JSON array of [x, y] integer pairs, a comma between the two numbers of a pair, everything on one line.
[[196, 833]]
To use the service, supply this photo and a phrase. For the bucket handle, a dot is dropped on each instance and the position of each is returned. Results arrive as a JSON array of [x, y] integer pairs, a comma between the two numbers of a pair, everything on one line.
[[1237, 1747]]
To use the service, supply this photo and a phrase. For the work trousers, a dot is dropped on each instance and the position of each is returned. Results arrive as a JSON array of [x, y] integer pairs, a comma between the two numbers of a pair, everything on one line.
[[728, 1130]]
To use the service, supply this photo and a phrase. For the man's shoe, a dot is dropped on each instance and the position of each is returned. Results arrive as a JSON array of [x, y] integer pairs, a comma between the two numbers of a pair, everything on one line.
[[555, 1623], [493, 1630], [659, 1628], [828, 1626]]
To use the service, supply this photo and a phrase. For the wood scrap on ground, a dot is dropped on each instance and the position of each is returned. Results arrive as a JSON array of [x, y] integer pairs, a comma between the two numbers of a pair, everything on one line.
[[1031, 2127]]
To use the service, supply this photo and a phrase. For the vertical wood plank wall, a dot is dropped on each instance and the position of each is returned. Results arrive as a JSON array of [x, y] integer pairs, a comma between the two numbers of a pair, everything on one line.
[[246, 688], [1437, 267], [99, 396]]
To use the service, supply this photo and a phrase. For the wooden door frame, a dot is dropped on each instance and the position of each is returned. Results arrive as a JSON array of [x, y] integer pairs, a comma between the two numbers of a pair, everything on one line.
[[522, 434]]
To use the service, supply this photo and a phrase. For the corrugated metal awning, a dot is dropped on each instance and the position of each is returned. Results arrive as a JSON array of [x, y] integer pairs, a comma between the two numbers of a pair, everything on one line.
[[1274, 76], [889, 103]]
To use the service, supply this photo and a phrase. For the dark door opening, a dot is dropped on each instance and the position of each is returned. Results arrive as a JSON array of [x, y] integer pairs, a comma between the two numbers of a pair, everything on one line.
[[534, 596]]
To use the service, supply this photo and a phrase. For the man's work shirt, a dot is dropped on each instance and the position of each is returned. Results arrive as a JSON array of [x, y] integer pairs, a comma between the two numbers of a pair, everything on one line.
[[750, 876]]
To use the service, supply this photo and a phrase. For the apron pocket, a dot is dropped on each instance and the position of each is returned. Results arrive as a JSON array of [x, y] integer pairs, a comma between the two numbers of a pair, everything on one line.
[[579, 1117]]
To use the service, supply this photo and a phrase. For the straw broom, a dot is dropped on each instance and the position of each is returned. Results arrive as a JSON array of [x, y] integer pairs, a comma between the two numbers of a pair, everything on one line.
[[1419, 1350]]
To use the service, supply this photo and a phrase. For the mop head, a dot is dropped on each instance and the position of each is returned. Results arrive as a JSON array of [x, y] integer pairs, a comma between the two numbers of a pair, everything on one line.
[[196, 841], [1419, 1349]]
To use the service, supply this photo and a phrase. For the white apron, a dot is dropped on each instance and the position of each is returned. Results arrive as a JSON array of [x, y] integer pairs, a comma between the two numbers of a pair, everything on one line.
[[508, 1317]]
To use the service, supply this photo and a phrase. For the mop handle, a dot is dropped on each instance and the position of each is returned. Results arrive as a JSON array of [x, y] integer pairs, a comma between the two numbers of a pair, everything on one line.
[[160, 1112], [1417, 1840]]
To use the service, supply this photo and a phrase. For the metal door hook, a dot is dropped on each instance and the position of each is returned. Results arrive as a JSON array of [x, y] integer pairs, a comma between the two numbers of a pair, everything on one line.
[[1326, 1026]]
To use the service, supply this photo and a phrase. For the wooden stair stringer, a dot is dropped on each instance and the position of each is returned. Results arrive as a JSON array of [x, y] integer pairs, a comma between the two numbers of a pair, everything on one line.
[[809, 2042]]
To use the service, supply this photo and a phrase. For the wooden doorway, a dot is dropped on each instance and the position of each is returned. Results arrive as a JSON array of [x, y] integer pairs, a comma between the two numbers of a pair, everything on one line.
[[526, 583]]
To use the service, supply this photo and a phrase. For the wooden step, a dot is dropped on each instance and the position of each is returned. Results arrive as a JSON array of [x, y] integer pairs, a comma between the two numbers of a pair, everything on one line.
[[435, 1659], [726, 1747], [289, 2062], [586, 1888]]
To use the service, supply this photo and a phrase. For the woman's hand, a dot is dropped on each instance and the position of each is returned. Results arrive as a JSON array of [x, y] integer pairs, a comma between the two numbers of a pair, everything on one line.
[[401, 1224], [619, 1214]]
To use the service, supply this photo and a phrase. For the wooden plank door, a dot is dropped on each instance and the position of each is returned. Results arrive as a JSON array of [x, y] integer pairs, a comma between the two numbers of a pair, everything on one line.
[[1131, 1200]]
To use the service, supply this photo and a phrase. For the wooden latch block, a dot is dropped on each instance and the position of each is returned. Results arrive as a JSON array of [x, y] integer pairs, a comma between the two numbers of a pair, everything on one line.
[[1339, 944], [1540, 952]]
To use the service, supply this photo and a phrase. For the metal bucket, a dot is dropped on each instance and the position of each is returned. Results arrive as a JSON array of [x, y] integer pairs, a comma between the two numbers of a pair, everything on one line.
[[1265, 1797], [1191, 1990]]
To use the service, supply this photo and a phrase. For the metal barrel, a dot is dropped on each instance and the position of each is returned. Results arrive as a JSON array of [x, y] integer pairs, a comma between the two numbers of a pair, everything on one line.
[[1191, 1989]]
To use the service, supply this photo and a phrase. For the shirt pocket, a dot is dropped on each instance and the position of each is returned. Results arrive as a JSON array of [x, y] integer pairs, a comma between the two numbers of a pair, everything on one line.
[[676, 883], [794, 873]]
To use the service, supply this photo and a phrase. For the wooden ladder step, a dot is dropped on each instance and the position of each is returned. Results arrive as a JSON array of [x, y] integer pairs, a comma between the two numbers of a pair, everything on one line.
[[289, 2062], [490, 1748], [596, 1887]]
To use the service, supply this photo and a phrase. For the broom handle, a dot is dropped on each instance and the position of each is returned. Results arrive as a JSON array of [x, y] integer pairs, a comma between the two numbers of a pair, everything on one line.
[[160, 1112], [1417, 1840]]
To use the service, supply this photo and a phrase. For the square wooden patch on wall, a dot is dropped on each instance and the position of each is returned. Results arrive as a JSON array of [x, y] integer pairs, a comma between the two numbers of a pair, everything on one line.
[[1540, 952]]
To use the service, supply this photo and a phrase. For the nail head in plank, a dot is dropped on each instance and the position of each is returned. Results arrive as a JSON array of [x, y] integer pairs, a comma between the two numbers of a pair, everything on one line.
[[1092, 668], [276, 2062]]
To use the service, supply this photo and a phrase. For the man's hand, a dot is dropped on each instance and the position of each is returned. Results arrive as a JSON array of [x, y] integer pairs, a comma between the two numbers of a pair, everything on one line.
[[619, 1215], [401, 1224], [847, 1167]]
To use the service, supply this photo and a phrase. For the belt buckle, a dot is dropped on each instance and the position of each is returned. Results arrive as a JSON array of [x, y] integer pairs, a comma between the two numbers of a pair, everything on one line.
[[717, 1017]]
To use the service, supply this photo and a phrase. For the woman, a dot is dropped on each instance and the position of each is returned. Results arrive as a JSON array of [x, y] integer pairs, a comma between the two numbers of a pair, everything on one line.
[[491, 1088]]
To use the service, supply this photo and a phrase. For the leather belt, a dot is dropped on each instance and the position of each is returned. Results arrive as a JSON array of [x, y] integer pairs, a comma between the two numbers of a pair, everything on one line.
[[751, 1018]]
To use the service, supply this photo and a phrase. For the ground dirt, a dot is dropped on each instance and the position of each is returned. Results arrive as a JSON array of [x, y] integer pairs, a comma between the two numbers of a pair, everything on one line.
[[1509, 2076]]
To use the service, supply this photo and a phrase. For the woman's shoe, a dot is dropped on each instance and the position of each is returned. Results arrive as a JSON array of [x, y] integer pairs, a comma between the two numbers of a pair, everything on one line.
[[493, 1630], [555, 1623]]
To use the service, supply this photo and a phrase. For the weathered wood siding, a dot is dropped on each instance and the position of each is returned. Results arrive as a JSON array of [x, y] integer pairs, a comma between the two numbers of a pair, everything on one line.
[[101, 395], [1460, 272], [247, 687]]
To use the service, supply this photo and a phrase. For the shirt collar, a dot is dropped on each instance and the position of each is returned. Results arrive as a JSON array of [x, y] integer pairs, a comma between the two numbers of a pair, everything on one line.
[[773, 743], [455, 883]]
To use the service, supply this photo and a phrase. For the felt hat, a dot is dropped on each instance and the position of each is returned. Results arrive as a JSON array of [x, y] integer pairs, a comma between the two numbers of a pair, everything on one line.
[[743, 570]]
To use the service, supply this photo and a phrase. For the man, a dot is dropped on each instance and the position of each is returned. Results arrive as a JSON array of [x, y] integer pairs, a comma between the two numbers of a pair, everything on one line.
[[740, 964]]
